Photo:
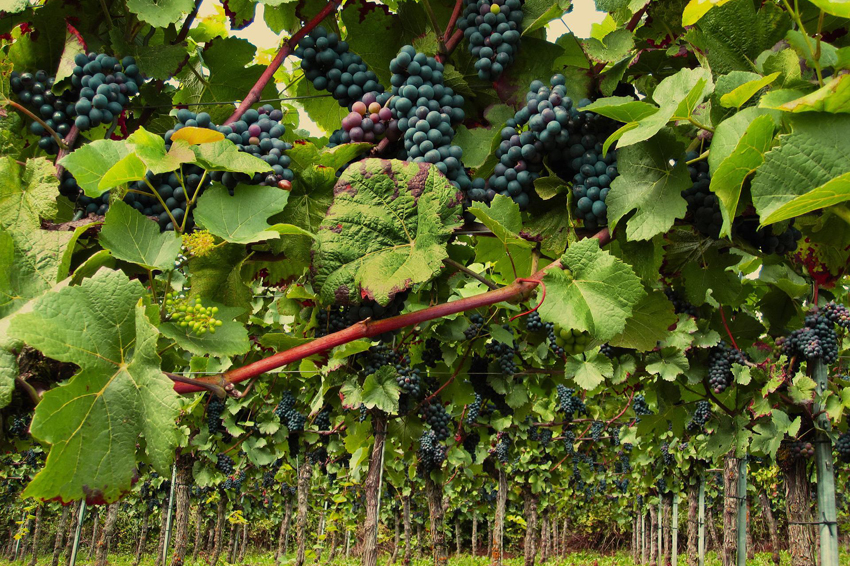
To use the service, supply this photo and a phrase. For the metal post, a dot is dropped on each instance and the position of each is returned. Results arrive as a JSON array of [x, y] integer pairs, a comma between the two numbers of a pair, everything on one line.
[[674, 530], [742, 512], [170, 510], [76, 546], [828, 526], [347, 541], [701, 525]]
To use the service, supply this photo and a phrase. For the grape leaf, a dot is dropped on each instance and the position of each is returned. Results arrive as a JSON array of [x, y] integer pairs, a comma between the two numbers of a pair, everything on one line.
[[840, 8], [595, 292], [668, 363], [807, 158], [159, 62], [131, 236], [589, 370], [150, 149], [622, 108], [506, 250], [242, 218], [727, 182], [229, 339], [385, 231], [696, 9], [94, 422], [223, 155], [649, 184], [834, 96], [613, 46], [649, 323], [159, 13], [218, 276], [129, 169], [741, 94], [89, 163], [709, 277], [73, 47], [8, 372], [380, 390], [27, 194]]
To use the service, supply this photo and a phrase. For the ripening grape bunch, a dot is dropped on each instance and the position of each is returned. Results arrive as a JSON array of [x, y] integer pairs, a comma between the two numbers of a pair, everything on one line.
[[105, 85], [285, 411], [470, 443], [596, 429], [328, 63], [571, 341], [493, 31], [504, 354], [369, 121], [474, 409], [799, 449], [569, 441], [720, 361], [323, 419], [816, 340], [476, 322], [534, 323], [409, 380], [837, 314], [20, 426], [667, 458]]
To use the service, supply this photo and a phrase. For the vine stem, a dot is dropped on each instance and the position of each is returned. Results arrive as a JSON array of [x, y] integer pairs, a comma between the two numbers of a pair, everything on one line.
[[187, 23], [369, 328], [451, 45], [460, 267], [287, 48], [69, 140], [453, 20], [726, 326]]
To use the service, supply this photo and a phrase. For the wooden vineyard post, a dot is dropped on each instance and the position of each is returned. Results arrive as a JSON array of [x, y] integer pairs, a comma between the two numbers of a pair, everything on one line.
[[170, 513], [742, 512], [660, 527], [702, 520], [827, 519], [77, 533], [674, 531]]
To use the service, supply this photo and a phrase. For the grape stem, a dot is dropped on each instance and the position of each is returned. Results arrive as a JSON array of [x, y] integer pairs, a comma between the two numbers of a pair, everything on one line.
[[450, 46], [59, 141], [711, 396], [460, 267], [70, 139], [28, 389], [434, 25], [453, 20], [287, 48], [518, 290]]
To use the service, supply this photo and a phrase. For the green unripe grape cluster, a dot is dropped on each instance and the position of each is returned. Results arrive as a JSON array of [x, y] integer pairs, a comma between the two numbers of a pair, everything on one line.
[[192, 314], [571, 340]]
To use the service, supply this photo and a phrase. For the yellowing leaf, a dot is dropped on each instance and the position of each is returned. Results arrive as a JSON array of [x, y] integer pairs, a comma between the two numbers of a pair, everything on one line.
[[833, 97], [697, 9], [740, 95], [194, 136]]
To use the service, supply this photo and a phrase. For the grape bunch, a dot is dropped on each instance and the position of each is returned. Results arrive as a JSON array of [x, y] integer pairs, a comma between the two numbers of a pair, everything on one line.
[[640, 406], [426, 110], [701, 415], [432, 352], [492, 28], [570, 403], [667, 458], [191, 314], [35, 91], [409, 380], [596, 429], [607, 350], [720, 361], [268, 478], [569, 441], [323, 419], [338, 317], [661, 485], [435, 415], [798, 449], [842, 446], [816, 340], [553, 338], [534, 323], [328, 63], [764, 239], [224, 463], [504, 354], [105, 85], [432, 454], [20, 425], [318, 455], [503, 445], [214, 410], [571, 341], [837, 314], [680, 304], [476, 322], [285, 411], [544, 436], [175, 192], [470, 444], [474, 409]]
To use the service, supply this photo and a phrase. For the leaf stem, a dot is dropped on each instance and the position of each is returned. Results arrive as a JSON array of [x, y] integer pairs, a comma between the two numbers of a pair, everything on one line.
[[28, 389], [187, 23], [464, 269], [191, 202], [795, 15], [518, 290], [432, 18], [693, 121], [841, 211], [700, 157], [162, 202], [453, 20], [59, 141], [255, 92]]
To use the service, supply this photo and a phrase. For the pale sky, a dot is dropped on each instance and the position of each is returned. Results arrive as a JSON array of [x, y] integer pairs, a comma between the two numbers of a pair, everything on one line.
[[580, 20]]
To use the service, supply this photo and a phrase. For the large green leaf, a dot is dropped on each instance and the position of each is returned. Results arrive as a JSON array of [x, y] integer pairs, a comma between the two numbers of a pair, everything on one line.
[[380, 390], [811, 156], [94, 423], [218, 276], [132, 237], [223, 155], [243, 217], [8, 372], [650, 323], [595, 291], [27, 194], [386, 230], [507, 251], [650, 185], [89, 163], [728, 180]]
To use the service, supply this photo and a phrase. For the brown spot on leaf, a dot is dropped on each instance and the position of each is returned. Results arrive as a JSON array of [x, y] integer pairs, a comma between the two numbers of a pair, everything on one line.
[[417, 183]]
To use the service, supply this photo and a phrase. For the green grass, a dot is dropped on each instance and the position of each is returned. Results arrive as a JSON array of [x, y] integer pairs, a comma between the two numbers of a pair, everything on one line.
[[585, 558]]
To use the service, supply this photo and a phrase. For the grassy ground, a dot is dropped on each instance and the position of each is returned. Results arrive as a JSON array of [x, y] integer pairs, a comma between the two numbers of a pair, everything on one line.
[[573, 559]]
